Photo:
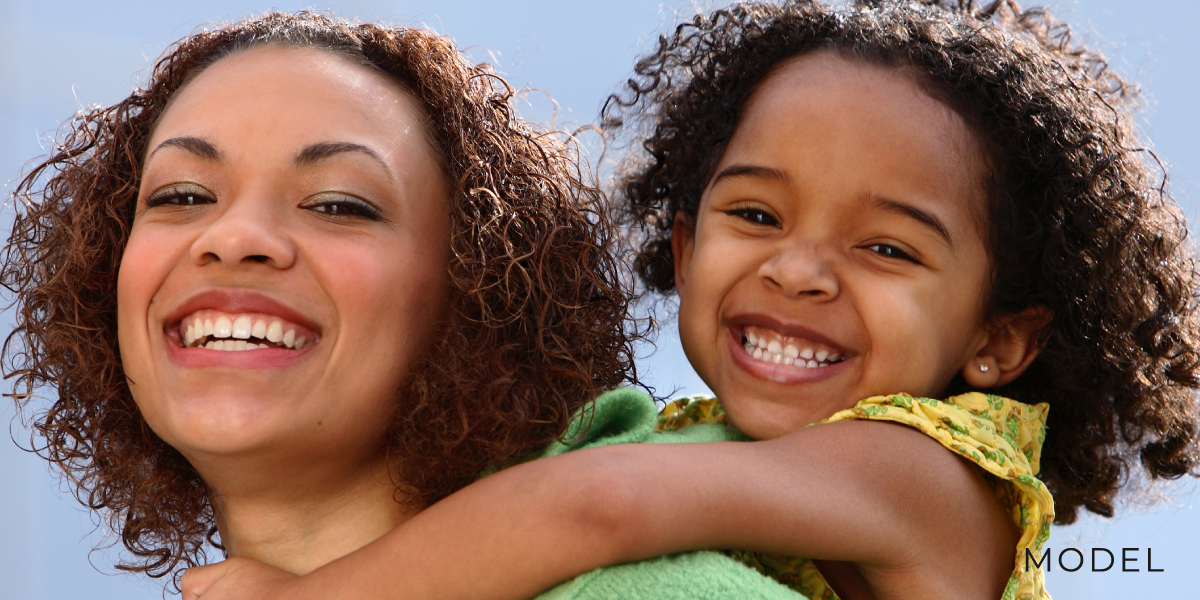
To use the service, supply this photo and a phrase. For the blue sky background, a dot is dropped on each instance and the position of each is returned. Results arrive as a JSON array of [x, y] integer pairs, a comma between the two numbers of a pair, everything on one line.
[[56, 57]]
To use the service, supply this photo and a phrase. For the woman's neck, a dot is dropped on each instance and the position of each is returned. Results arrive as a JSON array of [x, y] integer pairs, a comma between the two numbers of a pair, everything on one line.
[[302, 522]]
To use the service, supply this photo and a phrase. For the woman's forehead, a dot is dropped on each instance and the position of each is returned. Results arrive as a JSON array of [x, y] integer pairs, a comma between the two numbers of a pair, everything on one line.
[[278, 100]]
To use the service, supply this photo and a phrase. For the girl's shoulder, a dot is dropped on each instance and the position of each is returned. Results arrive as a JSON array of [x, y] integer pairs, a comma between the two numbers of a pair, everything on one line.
[[686, 411], [1001, 436]]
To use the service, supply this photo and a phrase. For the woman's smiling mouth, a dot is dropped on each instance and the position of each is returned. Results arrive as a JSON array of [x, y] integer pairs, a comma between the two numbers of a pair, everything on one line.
[[216, 330]]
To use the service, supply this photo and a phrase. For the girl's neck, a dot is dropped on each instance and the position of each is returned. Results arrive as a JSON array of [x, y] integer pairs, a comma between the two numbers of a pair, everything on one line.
[[300, 523]]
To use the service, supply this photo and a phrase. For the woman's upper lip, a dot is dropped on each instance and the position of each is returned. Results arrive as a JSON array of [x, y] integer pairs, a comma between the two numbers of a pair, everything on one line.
[[786, 329], [239, 300]]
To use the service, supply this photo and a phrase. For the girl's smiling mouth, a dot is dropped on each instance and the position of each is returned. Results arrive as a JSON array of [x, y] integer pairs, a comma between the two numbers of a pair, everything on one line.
[[770, 346], [766, 353]]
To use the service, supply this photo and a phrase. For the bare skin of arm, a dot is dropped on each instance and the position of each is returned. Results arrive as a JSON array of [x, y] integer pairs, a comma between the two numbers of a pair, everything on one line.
[[914, 519]]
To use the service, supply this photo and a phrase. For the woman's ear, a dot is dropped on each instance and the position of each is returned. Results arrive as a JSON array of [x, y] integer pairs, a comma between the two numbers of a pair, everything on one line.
[[683, 242], [1009, 349]]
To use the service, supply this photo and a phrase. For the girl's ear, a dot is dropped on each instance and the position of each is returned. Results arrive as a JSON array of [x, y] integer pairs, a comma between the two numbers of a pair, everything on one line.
[[683, 242], [1009, 349]]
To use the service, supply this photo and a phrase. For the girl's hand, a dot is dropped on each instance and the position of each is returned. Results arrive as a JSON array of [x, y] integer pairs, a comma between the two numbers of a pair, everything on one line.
[[237, 579]]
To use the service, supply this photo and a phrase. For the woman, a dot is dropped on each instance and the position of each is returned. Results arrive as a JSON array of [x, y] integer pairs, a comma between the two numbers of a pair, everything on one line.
[[311, 279], [363, 188]]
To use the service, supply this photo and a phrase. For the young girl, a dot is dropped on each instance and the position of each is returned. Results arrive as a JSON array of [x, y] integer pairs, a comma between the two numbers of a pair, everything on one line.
[[896, 201]]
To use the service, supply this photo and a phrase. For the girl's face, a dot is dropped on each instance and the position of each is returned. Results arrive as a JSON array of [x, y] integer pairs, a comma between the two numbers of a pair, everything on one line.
[[842, 233], [287, 263]]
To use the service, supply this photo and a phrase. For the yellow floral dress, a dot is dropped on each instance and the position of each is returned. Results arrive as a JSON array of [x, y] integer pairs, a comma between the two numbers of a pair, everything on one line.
[[1004, 437]]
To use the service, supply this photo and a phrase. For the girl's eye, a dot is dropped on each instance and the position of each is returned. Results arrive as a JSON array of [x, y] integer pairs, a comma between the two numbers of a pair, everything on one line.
[[753, 215], [186, 196], [343, 206], [891, 252]]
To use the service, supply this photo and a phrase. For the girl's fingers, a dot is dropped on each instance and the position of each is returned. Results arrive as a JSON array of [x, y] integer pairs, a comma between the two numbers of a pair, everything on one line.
[[197, 580]]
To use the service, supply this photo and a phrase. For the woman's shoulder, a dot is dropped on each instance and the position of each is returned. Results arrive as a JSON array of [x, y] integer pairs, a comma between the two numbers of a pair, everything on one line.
[[627, 415], [692, 576]]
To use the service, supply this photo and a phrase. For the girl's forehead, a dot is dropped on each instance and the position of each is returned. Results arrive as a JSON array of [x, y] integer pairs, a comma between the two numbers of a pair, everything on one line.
[[829, 126], [826, 113]]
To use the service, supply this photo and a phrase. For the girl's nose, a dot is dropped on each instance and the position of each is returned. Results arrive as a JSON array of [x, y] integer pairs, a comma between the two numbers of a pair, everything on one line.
[[800, 273], [246, 232]]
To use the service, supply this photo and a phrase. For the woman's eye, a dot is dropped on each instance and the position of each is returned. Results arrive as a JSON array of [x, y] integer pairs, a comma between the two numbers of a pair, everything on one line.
[[753, 215], [891, 252], [179, 197], [344, 207]]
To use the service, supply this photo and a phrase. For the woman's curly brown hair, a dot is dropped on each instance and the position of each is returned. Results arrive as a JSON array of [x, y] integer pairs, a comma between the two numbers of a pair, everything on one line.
[[536, 328], [1079, 218]]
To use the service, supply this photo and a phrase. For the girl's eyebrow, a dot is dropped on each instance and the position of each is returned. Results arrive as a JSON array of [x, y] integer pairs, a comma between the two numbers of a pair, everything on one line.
[[924, 217], [753, 171]]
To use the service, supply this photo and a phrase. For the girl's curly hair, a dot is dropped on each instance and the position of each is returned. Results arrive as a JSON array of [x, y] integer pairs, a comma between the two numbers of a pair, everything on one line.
[[537, 323], [1080, 221]]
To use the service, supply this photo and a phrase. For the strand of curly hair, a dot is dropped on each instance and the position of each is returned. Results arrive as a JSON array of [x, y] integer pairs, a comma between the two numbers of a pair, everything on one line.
[[1080, 221], [538, 316]]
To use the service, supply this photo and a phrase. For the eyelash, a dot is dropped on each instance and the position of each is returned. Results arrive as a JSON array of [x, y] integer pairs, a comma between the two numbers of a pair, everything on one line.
[[330, 207], [190, 197], [754, 215], [889, 251], [344, 206]]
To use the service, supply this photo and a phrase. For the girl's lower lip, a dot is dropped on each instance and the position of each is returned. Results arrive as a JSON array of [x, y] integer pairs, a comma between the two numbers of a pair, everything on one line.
[[263, 358], [785, 374]]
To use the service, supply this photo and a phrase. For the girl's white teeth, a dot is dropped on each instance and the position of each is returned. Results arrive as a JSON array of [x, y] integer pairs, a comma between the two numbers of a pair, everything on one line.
[[242, 332], [774, 351]]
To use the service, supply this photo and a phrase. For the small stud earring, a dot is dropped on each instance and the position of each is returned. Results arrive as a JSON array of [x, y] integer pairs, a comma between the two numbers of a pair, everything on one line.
[[983, 367]]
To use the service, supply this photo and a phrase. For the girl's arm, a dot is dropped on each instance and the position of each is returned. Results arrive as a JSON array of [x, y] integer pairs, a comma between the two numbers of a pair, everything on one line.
[[884, 496]]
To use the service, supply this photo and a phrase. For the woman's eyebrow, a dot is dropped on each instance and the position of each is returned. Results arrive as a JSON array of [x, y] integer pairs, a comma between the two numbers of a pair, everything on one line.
[[323, 150], [926, 218], [198, 146]]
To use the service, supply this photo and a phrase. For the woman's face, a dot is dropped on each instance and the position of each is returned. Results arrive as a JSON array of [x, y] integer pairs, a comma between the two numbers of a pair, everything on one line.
[[287, 263]]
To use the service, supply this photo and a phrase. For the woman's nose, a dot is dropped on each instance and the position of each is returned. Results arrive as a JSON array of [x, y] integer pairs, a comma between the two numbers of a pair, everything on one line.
[[800, 273], [247, 231]]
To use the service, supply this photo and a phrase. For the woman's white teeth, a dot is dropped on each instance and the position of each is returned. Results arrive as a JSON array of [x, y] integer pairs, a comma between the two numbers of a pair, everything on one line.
[[775, 352], [274, 331], [241, 327], [223, 328], [241, 332]]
